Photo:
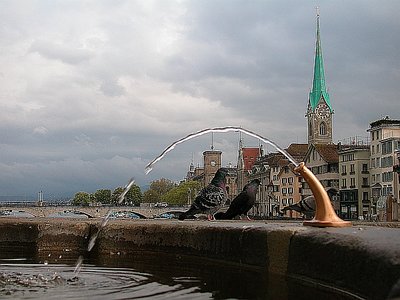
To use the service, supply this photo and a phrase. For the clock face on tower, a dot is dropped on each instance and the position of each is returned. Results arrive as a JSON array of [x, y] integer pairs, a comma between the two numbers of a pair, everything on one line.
[[322, 111]]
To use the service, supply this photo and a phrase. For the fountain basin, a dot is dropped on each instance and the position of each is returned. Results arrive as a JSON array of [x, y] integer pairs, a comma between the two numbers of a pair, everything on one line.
[[362, 260]]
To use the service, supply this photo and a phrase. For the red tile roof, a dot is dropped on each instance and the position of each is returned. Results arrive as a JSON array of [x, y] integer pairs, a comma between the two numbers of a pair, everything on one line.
[[329, 152]]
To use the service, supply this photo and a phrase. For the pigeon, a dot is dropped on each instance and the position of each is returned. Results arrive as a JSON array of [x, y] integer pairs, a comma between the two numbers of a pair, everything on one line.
[[210, 198], [242, 202], [307, 205]]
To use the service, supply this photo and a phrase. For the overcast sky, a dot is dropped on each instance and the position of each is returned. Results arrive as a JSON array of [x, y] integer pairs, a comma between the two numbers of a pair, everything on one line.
[[92, 91]]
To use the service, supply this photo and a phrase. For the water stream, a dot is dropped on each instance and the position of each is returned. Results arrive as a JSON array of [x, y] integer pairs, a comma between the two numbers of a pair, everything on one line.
[[149, 167]]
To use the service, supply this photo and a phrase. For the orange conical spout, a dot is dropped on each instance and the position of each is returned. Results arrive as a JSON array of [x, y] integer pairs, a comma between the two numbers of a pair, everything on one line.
[[325, 215]]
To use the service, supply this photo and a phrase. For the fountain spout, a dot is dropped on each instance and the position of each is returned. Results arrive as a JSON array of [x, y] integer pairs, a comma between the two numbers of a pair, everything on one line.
[[325, 215]]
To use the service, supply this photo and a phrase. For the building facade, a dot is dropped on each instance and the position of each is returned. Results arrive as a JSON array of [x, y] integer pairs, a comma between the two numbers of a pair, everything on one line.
[[354, 182], [385, 139], [280, 186], [247, 156]]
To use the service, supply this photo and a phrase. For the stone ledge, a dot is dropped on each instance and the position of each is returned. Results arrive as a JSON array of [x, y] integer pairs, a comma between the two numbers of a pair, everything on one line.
[[364, 260]]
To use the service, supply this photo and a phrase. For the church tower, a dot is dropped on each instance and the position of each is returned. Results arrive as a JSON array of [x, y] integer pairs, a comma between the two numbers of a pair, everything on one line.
[[319, 110]]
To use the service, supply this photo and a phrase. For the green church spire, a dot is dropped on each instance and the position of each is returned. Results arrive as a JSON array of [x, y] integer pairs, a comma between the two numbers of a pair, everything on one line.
[[319, 88]]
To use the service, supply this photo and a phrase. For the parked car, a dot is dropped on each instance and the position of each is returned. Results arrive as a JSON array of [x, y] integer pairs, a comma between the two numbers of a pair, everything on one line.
[[161, 204]]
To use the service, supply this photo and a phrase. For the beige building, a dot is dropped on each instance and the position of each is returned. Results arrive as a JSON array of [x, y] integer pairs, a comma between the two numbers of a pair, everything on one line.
[[354, 182], [385, 139], [290, 191], [323, 161], [279, 185]]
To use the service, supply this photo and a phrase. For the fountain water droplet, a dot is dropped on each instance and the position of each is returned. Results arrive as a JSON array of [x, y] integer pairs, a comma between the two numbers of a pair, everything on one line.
[[149, 167], [93, 238], [78, 266], [92, 241]]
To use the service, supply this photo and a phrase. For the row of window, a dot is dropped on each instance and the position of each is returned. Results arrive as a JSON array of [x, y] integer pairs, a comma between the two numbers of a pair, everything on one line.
[[353, 182], [383, 162], [364, 169], [387, 147], [330, 168], [348, 157], [287, 201], [375, 134]]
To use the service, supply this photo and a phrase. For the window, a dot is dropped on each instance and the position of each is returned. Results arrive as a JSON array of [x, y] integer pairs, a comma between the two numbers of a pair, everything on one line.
[[373, 149], [352, 169], [365, 181], [365, 168], [387, 190], [290, 190], [365, 196], [387, 147], [352, 182], [284, 191], [343, 170], [387, 161], [322, 129], [377, 148], [290, 201], [387, 176], [290, 180], [344, 183]]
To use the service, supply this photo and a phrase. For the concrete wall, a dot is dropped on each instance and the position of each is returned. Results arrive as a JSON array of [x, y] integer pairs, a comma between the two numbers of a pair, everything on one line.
[[364, 260]]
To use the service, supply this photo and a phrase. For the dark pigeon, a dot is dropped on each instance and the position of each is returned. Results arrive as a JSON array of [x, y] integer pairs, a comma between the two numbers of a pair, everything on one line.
[[242, 202], [210, 198]]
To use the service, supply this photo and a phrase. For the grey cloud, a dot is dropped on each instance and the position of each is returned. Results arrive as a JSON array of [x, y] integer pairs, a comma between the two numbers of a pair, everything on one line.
[[112, 88], [136, 75], [63, 53]]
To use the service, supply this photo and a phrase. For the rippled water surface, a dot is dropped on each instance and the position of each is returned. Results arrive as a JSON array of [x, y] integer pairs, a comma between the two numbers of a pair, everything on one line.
[[151, 277], [143, 276], [23, 281]]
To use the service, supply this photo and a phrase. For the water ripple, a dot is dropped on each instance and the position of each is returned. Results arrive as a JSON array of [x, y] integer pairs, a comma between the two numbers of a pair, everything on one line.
[[34, 281]]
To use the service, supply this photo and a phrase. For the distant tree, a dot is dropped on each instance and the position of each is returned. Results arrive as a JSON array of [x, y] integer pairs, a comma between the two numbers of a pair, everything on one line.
[[81, 198], [133, 196], [103, 196], [157, 189], [181, 194], [151, 196]]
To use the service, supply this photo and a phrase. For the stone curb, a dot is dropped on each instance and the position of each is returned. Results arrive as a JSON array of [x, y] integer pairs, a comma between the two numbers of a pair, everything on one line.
[[363, 260]]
